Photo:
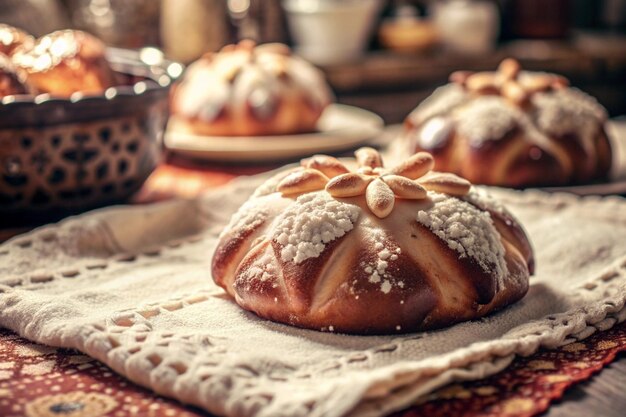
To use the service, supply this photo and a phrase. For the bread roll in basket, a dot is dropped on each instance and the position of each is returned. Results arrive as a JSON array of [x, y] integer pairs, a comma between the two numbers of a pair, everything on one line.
[[64, 62], [372, 251]]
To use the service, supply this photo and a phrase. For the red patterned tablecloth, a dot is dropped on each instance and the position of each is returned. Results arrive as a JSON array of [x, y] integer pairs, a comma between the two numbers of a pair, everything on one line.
[[39, 381]]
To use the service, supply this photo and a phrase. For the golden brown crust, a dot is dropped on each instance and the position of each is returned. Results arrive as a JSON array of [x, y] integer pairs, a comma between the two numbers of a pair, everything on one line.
[[334, 289], [64, 62]]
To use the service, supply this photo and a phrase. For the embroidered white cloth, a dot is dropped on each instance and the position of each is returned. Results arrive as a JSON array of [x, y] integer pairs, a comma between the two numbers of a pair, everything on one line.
[[131, 287]]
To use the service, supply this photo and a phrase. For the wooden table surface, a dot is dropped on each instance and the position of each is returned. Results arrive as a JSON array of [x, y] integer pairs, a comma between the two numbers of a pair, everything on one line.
[[604, 395]]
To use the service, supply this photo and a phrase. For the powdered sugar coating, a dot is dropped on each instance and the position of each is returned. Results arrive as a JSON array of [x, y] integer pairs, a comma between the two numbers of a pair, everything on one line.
[[491, 117], [568, 111], [479, 197], [377, 271], [442, 100], [262, 94], [488, 118], [314, 220], [264, 270], [204, 103], [249, 216], [467, 230]]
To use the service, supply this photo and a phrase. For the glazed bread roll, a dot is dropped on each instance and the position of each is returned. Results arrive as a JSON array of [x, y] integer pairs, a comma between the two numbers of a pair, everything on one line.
[[250, 90], [64, 62], [512, 128], [12, 81], [11, 38], [372, 250]]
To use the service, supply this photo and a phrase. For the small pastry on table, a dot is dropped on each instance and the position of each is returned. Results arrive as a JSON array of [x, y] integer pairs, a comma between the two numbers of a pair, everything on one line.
[[250, 90], [512, 128]]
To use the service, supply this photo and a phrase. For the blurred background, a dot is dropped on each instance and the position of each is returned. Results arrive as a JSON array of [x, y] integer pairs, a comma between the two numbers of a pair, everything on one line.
[[381, 55]]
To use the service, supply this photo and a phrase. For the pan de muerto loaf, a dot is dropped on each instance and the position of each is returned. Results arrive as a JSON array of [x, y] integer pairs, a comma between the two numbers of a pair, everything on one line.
[[512, 128], [250, 90], [372, 250]]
